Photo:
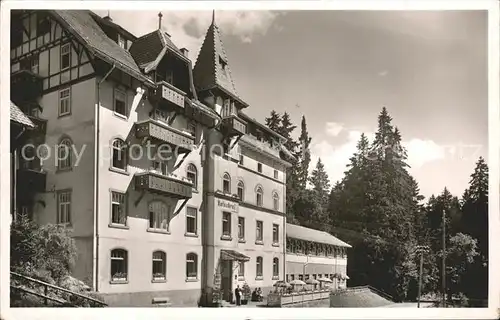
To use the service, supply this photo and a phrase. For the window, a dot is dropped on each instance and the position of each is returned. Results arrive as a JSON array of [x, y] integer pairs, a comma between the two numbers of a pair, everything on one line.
[[122, 42], [64, 207], [259, 196], [64, 153], [275, 174], [119, 154], [241, 159], [43, 26], [64, 102], [292, 277], [65, 56], [259, 269], [191, 127], [119, 264], [301, 277], [276, 268], [226, 183], [120, 106], [191, 266], [159, 265], [259, 167], [159, 216], [241, 269], [118, 208], [159, 166], [161, 115], [276, 234], [226, 111], [34, 63], [276, 201], [191, 220], [169, 76], [226, 224], [241, 190], [241, 228], [259, 233], [222, 63], [192, 175]]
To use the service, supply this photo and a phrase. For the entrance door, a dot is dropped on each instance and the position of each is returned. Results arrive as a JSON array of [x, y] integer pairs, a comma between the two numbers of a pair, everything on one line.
[[226, 280]]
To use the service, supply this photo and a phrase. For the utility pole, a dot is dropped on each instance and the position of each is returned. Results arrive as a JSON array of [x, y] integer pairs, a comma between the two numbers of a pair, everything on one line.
[[444, 260], [421, 250]]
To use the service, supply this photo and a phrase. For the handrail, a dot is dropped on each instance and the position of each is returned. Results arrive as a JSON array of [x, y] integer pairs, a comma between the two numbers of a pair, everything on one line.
[[65, 303], [42, 283]]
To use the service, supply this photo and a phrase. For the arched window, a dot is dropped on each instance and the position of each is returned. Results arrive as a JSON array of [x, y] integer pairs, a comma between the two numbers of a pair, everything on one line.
[[226, 183], [119, 154], [192, 265], [241, 190], [64, 153], [259, 194], [192, 175], [159, 216], [259, 268], [119, 265], [159, 265], [276, 201], [276, 268]]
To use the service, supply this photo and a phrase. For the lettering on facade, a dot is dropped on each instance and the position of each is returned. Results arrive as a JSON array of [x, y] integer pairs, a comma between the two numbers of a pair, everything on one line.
[[228, 206]]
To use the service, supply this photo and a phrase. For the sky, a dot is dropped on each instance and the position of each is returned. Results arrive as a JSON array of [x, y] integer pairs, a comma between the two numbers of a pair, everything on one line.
[[339, 68]]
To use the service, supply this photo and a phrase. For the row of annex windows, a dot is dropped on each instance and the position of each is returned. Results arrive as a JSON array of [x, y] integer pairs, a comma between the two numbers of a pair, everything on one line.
[[120, 266], [259, 268], [259, 167], [259, 192]]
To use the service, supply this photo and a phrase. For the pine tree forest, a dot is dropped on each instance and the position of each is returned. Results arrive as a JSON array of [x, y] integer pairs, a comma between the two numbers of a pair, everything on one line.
[[378, 209]]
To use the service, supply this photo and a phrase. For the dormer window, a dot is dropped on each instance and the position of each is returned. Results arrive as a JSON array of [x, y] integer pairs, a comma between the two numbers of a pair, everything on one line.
[[226, 111], [222, 63], [122, 42]]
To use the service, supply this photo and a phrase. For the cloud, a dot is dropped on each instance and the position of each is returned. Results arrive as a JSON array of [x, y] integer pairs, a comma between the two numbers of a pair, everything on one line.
[[336, 157], [334, 128], [421, 152], [188, 28], [383, 73]]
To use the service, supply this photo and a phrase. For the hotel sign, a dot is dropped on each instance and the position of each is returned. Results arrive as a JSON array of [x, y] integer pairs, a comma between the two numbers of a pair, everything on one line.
[[228, 205]]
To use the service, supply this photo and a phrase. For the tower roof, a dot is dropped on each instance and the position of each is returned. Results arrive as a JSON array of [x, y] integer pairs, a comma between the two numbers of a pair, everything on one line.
[[212, 69]]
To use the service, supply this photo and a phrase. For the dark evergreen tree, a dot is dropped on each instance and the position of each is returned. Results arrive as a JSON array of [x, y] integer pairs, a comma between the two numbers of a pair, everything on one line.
[[274, 121], [303, 155]]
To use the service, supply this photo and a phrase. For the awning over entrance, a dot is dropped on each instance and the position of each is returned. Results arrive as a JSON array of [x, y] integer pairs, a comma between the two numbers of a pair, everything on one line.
[[232, 255]]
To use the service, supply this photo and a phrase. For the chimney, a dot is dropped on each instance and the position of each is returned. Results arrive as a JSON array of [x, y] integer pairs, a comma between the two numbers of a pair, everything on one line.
[[185, 52]]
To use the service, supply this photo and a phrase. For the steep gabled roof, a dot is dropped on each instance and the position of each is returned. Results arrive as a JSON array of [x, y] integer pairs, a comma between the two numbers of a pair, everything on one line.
[[307, 234], [16, 115], [149, 49], [84, 27], [107, 21], [208, 71]]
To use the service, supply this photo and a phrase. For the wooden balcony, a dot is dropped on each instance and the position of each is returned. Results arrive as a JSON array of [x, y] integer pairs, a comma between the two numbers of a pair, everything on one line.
[[233, 126], [165, 185], [25, 86], [156, 130], [169, 96], [30, 181]]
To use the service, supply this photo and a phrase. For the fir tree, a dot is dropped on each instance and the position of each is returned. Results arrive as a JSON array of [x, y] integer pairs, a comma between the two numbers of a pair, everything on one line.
[[274, 121], [303, 156]]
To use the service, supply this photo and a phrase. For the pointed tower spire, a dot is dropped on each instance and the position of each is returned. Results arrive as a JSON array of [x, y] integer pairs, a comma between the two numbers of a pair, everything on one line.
[[212, 70]]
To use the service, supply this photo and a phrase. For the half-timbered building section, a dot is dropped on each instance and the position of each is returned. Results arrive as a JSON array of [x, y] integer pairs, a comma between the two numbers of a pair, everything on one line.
[[314, 254]]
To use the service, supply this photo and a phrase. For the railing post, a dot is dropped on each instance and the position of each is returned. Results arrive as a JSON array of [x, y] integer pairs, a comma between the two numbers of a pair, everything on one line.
[[46, 293]]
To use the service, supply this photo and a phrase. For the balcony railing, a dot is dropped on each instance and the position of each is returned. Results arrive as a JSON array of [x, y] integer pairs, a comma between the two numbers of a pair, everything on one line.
[[25, 86], [182, 142], [234, 125], [260, 146], [167, 185], [170, 95]]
